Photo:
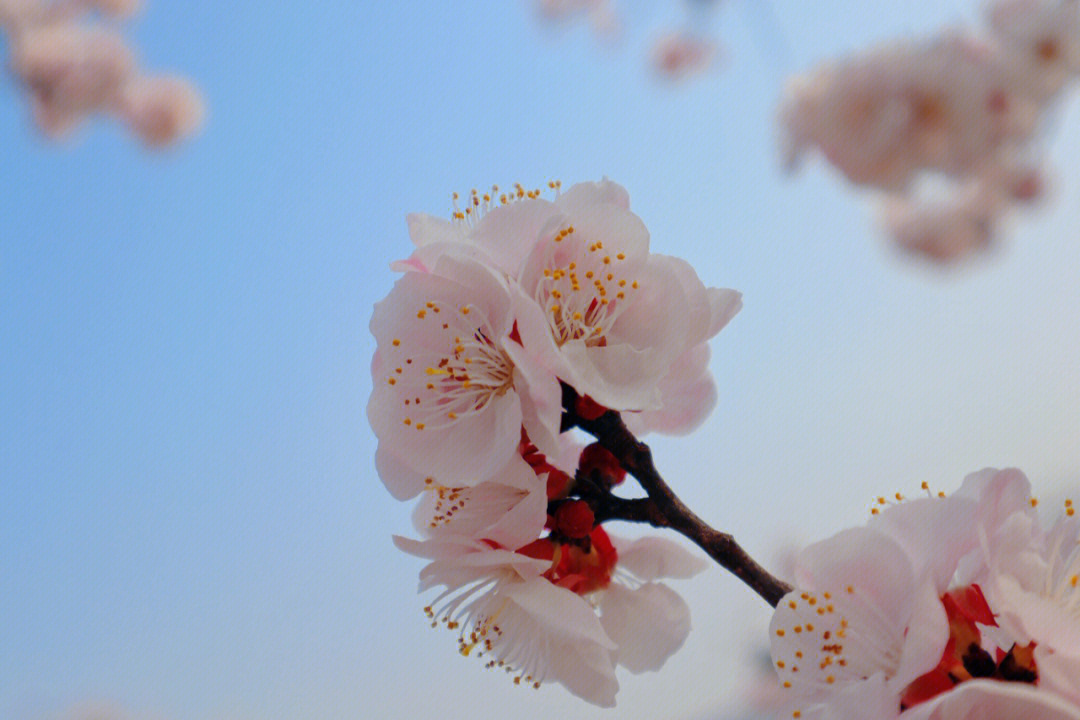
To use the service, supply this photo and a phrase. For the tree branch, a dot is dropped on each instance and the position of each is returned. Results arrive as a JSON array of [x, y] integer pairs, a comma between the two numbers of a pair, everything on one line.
[[662, 508]]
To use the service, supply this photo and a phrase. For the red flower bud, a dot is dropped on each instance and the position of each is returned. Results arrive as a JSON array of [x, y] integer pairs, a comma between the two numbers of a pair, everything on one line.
[[598, 463], [575, 519]]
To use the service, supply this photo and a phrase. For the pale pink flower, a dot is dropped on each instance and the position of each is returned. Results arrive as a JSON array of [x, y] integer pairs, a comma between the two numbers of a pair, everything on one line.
[[595, 307], [942, 104], [893, 618], [71, 71], [994, 700], [965, 105], [617, 317], [647, 620], [1032, 580], [601, 13], [680, 55], [509, 510], [162, 109], [859, 628], [688, 390], [943, 230], [450, 382], [517, 619], [1042, 41], [76, 65]]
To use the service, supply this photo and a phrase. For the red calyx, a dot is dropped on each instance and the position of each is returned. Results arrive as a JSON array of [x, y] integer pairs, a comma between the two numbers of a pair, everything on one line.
[[574, 519]]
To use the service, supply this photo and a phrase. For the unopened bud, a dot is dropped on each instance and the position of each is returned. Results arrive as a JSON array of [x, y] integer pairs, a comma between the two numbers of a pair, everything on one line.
[[601, 466], [575, 519]]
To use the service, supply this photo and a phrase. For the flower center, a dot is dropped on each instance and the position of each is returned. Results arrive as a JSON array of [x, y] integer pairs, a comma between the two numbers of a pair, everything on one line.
[[964, 657], [583, 290], [439, 388]]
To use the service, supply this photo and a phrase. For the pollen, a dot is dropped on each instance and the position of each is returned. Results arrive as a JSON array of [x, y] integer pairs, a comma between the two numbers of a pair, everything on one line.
[[420, 314]]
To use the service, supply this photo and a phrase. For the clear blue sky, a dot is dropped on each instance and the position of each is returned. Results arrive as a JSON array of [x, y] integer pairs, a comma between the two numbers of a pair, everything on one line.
[[190, 522]]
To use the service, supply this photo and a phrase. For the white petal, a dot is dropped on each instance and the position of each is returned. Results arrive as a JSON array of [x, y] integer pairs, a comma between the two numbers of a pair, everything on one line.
[[509, 232], [992, 700], [652, 558], [648, 623], [426, 229], [925, 638], [582, 195]]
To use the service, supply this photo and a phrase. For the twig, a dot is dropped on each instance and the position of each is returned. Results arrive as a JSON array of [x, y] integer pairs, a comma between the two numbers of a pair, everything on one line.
[[662, 508]]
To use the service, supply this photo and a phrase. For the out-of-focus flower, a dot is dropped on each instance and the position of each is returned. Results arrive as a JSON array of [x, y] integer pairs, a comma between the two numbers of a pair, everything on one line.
[[161, 110], [1041, 39], [601, 13], [680, 55], [961, 106], [912, 616], [74, 67]]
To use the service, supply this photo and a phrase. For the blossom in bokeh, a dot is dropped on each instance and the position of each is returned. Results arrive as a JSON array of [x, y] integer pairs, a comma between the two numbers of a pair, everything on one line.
[[75, 64], [679, 55], [960, 107]]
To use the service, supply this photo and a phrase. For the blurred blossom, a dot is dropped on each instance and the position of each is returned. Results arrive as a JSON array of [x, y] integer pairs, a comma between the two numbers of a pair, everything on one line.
[[160, 109], [601, 13], [960, 107], [679, 55], [674, 54], [74, 63]]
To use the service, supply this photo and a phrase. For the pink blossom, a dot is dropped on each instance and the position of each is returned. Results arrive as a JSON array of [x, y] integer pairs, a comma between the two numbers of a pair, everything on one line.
[[679, 55], [521, 622], [74, 66], [1042, 41], [965, 106], [918, 616], [595, 307], [160, 110], [450, 382]]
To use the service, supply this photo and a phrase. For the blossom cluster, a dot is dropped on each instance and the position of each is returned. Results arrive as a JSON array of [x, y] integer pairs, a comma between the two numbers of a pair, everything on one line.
[[501, 314], [948, 127], [941, 608], [74, 63]]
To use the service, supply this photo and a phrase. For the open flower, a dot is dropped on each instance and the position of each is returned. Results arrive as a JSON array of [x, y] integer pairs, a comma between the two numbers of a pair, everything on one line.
[[450, 381], [520, 621], [915, 615], [595, 307]]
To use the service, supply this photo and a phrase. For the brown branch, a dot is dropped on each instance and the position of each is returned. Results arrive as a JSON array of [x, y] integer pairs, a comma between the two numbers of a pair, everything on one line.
[[663, 509]]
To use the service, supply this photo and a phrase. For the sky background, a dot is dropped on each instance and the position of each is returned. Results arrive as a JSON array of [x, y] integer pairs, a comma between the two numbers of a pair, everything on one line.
[[190, 520]]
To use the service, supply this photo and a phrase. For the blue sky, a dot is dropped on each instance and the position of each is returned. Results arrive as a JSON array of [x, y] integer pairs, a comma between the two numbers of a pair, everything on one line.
[[190, 521]]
